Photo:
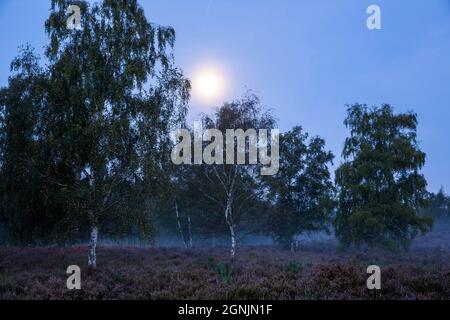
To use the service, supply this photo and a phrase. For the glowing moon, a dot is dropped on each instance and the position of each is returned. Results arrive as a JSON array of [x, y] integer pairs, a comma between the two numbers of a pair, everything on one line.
[[208, 85]]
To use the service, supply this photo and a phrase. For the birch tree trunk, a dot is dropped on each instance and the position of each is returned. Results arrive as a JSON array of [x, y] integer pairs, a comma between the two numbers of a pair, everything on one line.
[[294, 244], [233, 242], [92, 255], [231, 225], [191, 244], [180, 230]]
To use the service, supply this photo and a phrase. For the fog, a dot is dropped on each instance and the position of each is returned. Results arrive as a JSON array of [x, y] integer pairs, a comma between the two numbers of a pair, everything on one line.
[[438, 238]]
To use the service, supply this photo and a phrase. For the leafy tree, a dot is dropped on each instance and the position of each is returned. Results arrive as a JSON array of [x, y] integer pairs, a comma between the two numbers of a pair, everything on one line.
[[100, 113], [28, 207], [380, 185], [301, 193], [228, 195], [437, 205]]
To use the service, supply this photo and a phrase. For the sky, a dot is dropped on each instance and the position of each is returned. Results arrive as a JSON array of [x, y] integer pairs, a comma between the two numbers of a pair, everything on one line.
[[305, 59]]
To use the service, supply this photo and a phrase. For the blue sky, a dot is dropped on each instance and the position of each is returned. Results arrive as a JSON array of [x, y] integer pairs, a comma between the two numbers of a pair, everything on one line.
[[305, 59]]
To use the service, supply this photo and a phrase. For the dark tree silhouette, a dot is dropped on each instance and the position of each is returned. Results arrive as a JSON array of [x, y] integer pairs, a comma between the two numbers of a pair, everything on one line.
[[301, 193], [380, 185], [86, 135]]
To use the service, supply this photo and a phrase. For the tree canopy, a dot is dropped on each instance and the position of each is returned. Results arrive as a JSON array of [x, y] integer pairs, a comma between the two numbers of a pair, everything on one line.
[[86, 146], [302, 192], [85, 134], [381, 189]]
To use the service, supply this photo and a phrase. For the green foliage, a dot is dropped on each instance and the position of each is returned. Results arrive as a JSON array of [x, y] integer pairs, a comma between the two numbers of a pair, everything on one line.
[[117, 277], [85, 138], [84, 143], [225, 272], [205, 192], [293, 267], [302, 191], [309, 294], [437, 205], [380, 186]]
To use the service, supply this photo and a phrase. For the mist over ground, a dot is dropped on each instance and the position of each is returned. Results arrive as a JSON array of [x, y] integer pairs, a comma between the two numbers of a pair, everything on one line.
[[438, 238]]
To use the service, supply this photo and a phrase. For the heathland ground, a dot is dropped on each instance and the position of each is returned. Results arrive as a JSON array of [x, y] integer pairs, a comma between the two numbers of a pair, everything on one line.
[[318, 270]]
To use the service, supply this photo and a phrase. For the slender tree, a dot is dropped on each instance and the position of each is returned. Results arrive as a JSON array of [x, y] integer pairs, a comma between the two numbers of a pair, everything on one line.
[[229, 191]]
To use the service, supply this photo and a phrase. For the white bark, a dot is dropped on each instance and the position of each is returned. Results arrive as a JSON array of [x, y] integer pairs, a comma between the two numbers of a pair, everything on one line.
[[233, 242], [180, 230], [92, 255], [294, 244], [191, 244], [231, 225]]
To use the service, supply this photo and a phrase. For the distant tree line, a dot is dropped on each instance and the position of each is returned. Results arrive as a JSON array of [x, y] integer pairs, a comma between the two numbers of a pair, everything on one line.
[[85, 150], [438, 205]]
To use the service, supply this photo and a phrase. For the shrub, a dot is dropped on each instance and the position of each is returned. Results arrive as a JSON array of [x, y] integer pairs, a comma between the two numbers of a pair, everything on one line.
[[225, 272], [293, 267]]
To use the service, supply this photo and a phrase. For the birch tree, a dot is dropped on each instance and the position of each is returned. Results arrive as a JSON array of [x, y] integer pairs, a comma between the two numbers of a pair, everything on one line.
[[111, 95], [381, 188], [231, 190]]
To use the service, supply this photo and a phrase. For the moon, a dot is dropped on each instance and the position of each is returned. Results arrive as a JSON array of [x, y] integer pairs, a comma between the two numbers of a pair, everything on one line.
[[209, 85]]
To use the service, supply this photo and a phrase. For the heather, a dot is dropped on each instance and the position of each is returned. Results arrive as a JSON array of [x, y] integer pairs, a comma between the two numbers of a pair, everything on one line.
[[316, 271]]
